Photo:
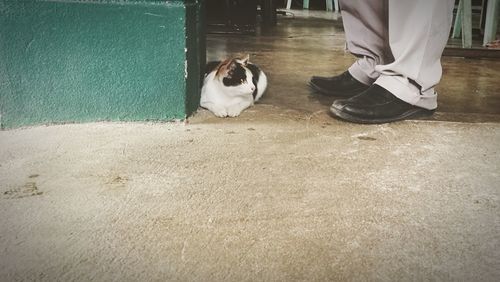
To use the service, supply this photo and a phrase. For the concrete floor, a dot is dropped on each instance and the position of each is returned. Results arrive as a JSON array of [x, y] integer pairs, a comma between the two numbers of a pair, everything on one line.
[[282, 193]]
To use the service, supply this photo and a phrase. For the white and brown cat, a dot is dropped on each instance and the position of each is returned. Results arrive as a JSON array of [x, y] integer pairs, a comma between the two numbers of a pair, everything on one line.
[[232, 85]]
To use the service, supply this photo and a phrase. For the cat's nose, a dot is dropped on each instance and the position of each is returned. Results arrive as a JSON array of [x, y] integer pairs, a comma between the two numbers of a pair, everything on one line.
[[252, 88]]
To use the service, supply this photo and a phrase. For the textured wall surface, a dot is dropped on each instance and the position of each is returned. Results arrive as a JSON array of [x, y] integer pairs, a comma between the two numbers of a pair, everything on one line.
[[78, 61]]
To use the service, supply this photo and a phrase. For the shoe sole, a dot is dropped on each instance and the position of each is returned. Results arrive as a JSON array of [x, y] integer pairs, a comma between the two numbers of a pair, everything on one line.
[[410, 114], [330, 93]]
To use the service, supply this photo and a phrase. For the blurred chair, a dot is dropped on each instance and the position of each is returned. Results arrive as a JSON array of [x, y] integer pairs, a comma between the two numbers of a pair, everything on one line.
[[491, 22], [305, 5], [463, 21]]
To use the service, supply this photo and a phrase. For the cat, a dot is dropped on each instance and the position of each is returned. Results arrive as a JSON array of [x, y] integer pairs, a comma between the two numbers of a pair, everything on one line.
[[231, 86]]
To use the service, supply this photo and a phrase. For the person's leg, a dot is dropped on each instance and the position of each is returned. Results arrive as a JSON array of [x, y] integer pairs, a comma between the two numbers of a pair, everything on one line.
[[366, 31], [418, 32]]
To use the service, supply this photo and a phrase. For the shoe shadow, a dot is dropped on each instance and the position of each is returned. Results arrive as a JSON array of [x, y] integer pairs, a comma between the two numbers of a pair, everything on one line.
[[315, 96]]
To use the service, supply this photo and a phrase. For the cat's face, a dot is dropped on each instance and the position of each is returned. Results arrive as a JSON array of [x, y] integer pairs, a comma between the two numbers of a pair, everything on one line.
[[235, 75]]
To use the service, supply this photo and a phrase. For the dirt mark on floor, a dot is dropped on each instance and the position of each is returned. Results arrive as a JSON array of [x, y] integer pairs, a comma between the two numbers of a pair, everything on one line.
[[29, 189]]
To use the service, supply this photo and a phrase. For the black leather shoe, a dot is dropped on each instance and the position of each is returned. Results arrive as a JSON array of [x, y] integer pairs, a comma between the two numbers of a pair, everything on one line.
[[376, 105], [343, 85]]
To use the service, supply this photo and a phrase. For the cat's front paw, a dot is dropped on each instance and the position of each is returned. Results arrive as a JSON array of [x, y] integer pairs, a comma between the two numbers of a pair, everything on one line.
[[234, 112], [220, 113], [215, 109]]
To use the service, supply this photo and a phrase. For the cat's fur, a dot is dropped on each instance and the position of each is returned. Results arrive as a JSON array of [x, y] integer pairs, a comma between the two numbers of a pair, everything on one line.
[[231, 86]]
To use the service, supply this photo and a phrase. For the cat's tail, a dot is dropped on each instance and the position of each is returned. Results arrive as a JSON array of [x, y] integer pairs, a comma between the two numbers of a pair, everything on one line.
[[261, 85]]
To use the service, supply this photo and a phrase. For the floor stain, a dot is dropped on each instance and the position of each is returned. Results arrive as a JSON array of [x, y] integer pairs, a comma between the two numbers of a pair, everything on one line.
[[116, 181], [366, 138], [27, 190], [119, 180]]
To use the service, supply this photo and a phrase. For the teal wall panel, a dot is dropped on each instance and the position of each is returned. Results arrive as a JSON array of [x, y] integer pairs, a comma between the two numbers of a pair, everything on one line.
[[79, 61]]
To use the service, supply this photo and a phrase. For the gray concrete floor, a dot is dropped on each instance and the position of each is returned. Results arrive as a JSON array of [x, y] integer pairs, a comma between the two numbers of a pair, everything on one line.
[[282, 193]]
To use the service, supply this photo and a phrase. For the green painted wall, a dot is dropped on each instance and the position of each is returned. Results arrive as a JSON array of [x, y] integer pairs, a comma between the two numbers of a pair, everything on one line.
[[79, 61]]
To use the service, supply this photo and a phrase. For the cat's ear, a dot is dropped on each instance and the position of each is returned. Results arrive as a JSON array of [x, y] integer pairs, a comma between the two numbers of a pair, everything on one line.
[[226, 68], [230, 68], [245, 60]]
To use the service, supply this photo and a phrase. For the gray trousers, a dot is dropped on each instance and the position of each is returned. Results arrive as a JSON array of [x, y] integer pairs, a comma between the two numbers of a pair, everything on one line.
[[398, 44]]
